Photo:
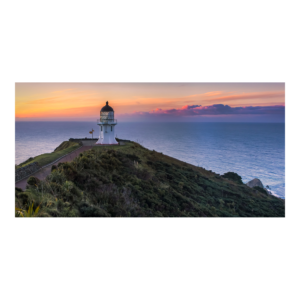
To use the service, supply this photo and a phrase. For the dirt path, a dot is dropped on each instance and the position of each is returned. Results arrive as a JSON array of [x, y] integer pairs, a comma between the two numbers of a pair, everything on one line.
[[41, 174]]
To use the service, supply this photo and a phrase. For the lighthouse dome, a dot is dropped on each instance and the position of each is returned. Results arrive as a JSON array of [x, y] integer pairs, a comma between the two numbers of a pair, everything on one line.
[[106, 108]]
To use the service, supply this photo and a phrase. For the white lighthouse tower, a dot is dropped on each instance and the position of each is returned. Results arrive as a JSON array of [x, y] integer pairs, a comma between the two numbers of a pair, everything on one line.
[[107, 125]]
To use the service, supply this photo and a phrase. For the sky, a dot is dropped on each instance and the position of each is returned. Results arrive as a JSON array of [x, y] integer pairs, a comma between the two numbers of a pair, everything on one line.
[[151, 102]]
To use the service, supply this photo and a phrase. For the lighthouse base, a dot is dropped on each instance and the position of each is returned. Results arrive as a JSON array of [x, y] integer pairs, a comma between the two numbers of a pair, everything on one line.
[[103, 142]]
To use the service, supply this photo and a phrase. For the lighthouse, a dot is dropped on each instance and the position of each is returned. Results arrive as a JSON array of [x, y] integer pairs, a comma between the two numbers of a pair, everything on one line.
[[107, 124]]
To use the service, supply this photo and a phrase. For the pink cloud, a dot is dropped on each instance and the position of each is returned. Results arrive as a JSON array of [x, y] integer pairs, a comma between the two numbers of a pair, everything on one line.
[[216, 109], [189, 107]]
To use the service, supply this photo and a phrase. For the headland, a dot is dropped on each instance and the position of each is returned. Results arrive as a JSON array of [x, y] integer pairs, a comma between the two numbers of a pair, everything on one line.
[[128, 180]]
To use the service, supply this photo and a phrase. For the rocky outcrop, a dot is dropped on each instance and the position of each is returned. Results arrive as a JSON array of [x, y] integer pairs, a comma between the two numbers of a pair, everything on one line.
[[257, 185], [255, 182], [26, 171]]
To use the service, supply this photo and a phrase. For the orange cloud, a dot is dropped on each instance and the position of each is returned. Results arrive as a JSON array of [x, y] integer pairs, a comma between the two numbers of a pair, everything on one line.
[[213, 93], [262, 95]]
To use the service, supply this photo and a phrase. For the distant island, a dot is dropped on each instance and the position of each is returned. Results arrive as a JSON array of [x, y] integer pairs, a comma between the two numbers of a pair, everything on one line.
[[129, 180]]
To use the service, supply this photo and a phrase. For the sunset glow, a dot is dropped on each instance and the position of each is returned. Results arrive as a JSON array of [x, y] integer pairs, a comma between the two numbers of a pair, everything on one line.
[[83, 101]]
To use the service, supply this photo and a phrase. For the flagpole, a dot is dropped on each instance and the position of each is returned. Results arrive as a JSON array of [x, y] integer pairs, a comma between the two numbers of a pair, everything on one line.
[[92, 133]]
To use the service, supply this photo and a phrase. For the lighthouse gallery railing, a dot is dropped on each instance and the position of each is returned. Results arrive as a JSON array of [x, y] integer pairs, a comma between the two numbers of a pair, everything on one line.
[[107, 121]]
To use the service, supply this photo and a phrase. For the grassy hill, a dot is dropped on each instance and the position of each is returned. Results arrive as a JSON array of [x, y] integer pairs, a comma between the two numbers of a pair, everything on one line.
[[66, 145], [131, 181], [44, 159]]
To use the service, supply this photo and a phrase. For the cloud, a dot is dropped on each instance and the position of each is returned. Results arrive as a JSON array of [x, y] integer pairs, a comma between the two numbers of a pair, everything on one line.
[[215, 97], [185, 107], [243, 96], [213, 93], [221, 109], [216, 109]]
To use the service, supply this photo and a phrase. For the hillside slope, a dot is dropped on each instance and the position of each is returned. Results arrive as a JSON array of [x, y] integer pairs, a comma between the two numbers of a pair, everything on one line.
[[131, 181], [65, 145], [46, 158]]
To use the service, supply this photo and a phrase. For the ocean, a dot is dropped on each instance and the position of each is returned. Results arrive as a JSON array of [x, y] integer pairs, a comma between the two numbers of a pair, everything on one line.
[[253, 150]]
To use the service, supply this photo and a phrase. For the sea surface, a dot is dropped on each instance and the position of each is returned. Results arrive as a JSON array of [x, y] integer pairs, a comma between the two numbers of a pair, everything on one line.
[[253, 150]]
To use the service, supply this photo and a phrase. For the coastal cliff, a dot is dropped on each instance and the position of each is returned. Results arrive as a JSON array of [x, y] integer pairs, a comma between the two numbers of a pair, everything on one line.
[[132, 181]]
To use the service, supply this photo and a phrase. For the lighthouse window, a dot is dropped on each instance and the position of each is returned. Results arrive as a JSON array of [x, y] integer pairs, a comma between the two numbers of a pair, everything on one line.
[[101, 128], [110, 128]]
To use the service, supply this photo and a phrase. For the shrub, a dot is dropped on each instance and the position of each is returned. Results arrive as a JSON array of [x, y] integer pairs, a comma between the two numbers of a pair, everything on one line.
[[57, 177], [133, 157], [69, 213], [33, 181], [117, 179], [24, 198], [69, 171], [233, 176], [92, 211], [53, 168]]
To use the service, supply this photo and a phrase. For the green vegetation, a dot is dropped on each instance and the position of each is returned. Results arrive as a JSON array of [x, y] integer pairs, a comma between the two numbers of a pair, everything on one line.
[[233, 176], [64, 145], [26, 162], [47, 158], [131, 181], [29, 213], [33, 181], [260, 189]]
